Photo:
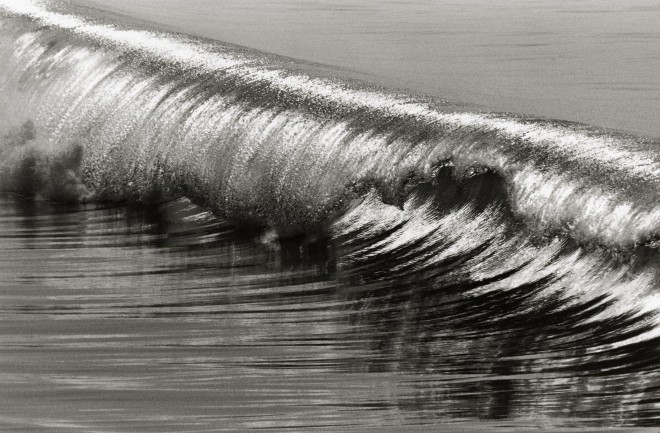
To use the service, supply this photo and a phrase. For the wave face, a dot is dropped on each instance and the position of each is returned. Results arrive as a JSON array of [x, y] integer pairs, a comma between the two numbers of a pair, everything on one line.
[[97, 111]]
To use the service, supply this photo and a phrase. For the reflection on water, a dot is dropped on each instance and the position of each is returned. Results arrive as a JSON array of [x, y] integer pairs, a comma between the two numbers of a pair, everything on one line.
[[163, 318]]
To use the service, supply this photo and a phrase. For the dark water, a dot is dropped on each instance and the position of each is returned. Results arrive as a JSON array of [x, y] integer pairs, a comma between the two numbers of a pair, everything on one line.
[[356, 258], [163, 318]]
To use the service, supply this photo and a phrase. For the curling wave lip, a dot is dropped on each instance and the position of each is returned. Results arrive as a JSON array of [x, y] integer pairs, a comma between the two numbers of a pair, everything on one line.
[[279, 145]]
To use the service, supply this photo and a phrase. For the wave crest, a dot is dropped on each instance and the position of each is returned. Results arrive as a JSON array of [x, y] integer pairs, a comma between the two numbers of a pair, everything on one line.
[[127, 114]]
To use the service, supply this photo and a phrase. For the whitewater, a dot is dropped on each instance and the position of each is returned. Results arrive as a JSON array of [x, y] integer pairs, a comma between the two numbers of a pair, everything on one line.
[[487, 223]]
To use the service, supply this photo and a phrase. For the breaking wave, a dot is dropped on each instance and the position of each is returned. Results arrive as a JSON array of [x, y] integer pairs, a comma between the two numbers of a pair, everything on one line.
[[441, 229], [97, 111]]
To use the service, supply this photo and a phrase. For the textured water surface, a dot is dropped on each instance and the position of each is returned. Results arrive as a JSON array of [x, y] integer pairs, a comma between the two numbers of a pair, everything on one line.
[[198, 236], [593, 62], [163, 318]]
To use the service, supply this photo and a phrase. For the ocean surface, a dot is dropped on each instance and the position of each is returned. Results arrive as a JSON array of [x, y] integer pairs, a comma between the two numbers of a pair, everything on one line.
[[588, 61], [329, 216]]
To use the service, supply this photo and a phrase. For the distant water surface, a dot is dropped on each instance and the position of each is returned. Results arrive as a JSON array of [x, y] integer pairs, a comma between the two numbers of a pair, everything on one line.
[[589, 61]]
